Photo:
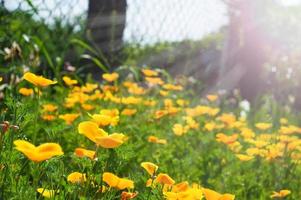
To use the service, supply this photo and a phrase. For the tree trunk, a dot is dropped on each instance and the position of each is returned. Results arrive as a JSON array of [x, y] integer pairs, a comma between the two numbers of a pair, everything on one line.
[[105, 26], [244, 51]]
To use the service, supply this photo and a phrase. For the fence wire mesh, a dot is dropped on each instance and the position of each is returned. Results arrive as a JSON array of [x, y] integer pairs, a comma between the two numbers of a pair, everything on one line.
[[146, 21]]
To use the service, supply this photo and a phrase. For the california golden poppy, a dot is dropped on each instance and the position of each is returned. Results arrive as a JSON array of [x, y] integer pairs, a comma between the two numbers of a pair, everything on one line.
[[213, 195], [81, 152], [76, 177], [40, 153], [280, 194], [68, 81], [114, 181], [164, 179], [46, 193], [69, 118], [38, 81], [151, 168], [111, 141], [26, 91], [110, 77]]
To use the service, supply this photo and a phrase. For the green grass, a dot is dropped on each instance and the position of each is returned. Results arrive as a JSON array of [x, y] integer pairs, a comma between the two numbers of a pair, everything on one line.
[[196, 156]]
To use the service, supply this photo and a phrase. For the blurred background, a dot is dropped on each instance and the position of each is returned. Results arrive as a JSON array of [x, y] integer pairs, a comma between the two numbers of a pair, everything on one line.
[[253, 46]]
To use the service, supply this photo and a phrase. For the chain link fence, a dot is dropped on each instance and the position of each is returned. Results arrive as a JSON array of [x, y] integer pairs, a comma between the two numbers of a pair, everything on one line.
[[146, 21], [158, 33]]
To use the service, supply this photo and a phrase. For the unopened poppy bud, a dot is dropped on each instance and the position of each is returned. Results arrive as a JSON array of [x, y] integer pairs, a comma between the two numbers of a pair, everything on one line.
[[4, 126], [15, 127]]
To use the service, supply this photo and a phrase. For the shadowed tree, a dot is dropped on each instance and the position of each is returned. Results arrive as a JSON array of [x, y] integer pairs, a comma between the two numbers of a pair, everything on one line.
[[105, 26], [244, 53]]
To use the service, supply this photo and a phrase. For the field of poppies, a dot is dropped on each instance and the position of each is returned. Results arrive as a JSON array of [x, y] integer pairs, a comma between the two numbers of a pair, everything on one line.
[[142, 136]]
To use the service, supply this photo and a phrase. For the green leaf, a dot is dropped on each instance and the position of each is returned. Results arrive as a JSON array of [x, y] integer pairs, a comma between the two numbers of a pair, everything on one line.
[[96, 61]]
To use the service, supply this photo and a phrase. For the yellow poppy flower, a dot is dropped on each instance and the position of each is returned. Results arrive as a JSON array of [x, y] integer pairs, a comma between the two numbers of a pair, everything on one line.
[[38, 81], [283, 121], [160, 113], [151, 168], [213, 195], [87, 107], [119, 183], [163, 93], [185, 194], [228, 118], [76, 177], [69, 118], [149, 72], [263, 126], [99, 136], [149, 102], [37, 154], [179, 129], [81, 152], [280, 194], [128, 84], [105, 120], [135, 89], [154, 80], [155, 139], [128, 195], [181, 187], [226, 139], [91, 130], [26, 91], [164, 179], [68, 81], [243, 157], [110, 77], [212, 97], [111, 141], [110, 112], [46, 193], [172, 87], [48, 117], [128, 112], [131, 100], [49, 107]]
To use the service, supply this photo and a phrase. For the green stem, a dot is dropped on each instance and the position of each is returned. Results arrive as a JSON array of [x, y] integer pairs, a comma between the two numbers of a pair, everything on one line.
[[37, 97]]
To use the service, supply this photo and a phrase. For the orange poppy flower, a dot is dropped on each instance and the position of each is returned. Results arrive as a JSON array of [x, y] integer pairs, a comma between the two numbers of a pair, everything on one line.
[[149, 72], [280, 194], [105, 120], [91, 130], [47, 193], [40, 153], [76, 177], [110, 77], [49, 107], [128, 112], [179, 129], [68, 81], [47, 117], [151, 168], [164, 179], [128, 195], [212, 97], [111, 141], [99, 136], [155, 139], [81, 152], [114, 181], [154, 80], [26, 91], [39, 81], [212, 195], [69, 118]]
